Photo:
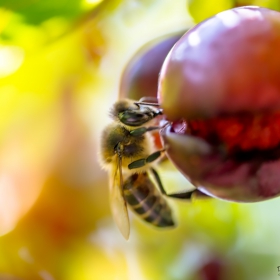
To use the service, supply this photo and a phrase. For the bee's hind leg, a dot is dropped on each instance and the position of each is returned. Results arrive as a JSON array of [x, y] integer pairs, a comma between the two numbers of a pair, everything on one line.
[[184, 195]]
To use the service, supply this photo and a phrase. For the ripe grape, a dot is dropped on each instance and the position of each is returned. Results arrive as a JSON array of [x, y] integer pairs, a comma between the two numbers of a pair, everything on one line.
[[221, 85], [140, 76]]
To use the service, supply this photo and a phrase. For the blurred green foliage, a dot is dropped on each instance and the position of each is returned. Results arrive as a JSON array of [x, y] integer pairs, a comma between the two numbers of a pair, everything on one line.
[[203, 9], [35, 12], [271, 4]]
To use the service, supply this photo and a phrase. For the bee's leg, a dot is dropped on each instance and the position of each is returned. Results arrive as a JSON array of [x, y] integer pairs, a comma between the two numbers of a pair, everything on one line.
[[154, 156], [184, 195], [143, 161], [141, 130]]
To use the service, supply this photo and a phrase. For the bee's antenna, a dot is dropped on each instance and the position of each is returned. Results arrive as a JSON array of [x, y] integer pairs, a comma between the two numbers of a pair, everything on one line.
[[146, 103], [149, 101]]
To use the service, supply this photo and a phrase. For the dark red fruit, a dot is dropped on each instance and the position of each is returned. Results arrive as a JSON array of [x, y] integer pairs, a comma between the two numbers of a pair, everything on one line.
[[140, 77], [223, 79]]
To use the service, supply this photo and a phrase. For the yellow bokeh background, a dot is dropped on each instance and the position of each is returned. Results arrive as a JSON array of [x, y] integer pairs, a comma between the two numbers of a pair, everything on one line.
[[60, 70]]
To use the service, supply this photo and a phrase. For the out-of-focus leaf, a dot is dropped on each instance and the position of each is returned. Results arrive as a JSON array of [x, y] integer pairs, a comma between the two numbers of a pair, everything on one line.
[[203, 9], [271, 4], [35, 12]]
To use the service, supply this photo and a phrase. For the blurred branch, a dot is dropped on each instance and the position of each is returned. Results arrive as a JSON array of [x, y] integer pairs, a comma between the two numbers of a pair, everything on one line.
[[101, 10]]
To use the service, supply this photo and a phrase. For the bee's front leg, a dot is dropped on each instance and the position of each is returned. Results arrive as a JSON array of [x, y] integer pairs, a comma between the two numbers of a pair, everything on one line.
[[154, 156], [141, 130], [143, 161]]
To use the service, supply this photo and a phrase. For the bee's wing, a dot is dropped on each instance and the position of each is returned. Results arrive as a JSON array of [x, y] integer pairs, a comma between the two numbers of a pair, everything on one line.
[[118, 204]]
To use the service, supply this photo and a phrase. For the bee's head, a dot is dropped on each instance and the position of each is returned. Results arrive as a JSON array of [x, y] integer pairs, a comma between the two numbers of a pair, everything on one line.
[[131, 113]]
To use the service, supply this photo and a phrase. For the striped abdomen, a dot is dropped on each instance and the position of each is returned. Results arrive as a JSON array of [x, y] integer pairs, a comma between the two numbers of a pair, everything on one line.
[[145, 199]]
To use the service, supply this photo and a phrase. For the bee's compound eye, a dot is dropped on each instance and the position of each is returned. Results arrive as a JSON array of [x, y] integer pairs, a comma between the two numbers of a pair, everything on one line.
[[133, 118]]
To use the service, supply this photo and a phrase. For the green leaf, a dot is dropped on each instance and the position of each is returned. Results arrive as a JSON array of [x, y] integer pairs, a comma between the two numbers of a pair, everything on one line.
[[203, 9], [35, 12], [271, 4]]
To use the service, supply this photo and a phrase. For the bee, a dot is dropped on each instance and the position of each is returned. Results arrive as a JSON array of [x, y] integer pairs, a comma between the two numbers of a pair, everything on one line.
[[127, 152]]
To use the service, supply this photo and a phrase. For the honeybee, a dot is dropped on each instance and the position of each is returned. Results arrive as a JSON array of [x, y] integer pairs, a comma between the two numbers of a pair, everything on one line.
[[127, 153]]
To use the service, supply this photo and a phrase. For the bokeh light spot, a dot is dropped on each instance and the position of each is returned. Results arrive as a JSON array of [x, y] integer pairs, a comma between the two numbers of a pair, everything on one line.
[[11, 58]]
